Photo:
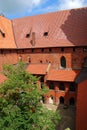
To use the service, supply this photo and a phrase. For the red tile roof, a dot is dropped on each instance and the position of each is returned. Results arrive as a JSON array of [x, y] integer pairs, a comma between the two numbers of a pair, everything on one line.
[[6, 41], [40, 69], [65, 28], [62, 75], [2, 78]]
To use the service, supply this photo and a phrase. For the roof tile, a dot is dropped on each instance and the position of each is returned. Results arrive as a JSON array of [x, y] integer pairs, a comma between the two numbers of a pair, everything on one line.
[[39, 69], [8, 40], [62, 75], [65, 28]]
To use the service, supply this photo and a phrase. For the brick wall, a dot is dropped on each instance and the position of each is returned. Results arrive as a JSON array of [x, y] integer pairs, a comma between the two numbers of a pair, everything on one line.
[[73, 59], [8, 57], [81, 114], [56, 93]]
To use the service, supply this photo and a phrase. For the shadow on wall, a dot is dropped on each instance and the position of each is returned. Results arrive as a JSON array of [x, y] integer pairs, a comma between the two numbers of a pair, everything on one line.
[[75, 27]]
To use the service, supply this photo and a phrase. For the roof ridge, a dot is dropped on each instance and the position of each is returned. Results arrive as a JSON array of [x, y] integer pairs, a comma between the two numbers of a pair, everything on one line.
[[13, 33], [51, 12]]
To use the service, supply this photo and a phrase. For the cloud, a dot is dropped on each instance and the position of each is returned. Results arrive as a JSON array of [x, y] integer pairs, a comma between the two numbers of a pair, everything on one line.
[[62, 5], [9, 7], [70, 4], [19, 8]]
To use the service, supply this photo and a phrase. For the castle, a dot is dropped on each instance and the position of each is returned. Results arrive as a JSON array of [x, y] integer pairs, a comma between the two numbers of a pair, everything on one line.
[[54, 47]]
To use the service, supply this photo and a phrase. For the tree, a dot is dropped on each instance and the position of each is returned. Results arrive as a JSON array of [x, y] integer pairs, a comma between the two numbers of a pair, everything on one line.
[[20, 107]]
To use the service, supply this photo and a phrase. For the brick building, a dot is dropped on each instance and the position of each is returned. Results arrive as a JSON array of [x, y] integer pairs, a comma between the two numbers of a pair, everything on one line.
[[54, 47]]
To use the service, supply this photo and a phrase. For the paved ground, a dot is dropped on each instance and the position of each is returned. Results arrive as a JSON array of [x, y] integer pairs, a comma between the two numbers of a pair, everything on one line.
[[68, 116]]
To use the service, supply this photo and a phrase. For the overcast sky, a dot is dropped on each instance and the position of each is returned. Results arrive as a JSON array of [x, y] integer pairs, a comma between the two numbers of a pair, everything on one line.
[[20, 8]]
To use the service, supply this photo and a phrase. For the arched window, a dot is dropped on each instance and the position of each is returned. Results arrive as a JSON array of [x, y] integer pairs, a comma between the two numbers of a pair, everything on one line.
[[61, 87], [71, 101], [72, 87], [61, 100], [63, 62]]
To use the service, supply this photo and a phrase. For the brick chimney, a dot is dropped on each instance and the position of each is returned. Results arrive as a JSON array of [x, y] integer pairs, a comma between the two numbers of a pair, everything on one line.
[[33, 39]]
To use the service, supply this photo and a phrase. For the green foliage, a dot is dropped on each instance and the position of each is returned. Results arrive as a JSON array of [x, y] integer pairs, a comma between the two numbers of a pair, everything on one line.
[[20, 107]]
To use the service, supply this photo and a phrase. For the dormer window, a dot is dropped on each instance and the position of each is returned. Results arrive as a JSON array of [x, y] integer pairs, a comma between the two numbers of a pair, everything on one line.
[[27, 35], [45, 34], [41, 61], [2, 33]]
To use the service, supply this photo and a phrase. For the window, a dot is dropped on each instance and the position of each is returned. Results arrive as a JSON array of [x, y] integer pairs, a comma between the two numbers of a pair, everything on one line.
[[62, 49], [22, 50], [32, 50], [41, 61], [42, 49], [63, 62], [61, 87], [72, 87], [27, 35], [50, 49], [1, 51], [51, 86], [85, 49], [74, 49], [2, 33], [45, 34], [10, 51]]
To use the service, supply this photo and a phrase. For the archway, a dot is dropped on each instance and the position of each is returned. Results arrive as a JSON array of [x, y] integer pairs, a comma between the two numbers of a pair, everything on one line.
[[61, 100], [71, 101], [51, 99]]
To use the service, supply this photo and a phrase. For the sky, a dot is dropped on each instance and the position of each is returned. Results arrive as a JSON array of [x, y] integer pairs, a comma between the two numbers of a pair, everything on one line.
[[21, 8]]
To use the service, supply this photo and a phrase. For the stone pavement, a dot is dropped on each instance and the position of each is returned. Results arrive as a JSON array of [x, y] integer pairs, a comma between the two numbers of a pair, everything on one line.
[[68, 116]]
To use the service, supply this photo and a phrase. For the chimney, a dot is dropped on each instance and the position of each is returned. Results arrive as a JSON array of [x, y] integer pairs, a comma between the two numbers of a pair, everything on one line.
[[33, 39]]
